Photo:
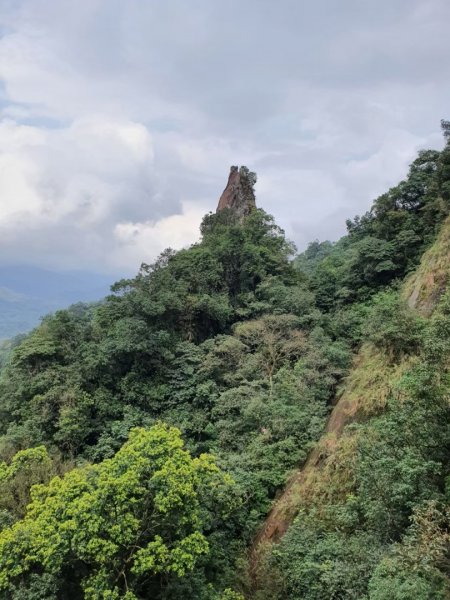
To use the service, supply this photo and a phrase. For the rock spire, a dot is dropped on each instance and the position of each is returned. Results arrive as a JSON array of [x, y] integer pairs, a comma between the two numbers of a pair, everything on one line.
[[239, 195]]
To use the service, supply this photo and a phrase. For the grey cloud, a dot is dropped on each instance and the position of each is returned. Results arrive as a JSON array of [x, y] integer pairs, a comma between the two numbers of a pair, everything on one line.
[[328, 101]]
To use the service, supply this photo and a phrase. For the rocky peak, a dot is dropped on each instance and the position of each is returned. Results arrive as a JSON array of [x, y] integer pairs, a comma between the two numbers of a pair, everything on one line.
[[239, 195]]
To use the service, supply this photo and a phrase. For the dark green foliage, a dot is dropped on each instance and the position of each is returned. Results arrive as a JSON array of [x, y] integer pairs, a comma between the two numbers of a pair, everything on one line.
[[417, 567], [319, 564], [386, 243], [76, 376]]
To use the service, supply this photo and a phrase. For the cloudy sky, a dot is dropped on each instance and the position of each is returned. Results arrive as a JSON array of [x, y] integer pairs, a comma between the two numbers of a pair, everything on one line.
[[120, 118]]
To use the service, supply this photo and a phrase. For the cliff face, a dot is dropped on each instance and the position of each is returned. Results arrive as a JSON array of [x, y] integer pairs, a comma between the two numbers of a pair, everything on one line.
[[239, 195]]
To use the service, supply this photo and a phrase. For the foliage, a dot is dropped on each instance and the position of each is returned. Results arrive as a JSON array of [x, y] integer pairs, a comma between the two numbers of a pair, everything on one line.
[[118, 529], [318, 564], [415, 567], [392, 327]]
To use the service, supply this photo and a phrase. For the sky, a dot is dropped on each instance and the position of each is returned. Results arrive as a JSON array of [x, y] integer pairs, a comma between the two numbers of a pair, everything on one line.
[[120, 118]]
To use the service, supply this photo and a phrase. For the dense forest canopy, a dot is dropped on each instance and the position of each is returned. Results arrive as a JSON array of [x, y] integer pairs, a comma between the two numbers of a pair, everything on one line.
[[144, 439]]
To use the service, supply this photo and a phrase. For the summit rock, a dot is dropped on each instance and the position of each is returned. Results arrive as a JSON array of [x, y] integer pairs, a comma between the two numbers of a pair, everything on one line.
[[239, 193]]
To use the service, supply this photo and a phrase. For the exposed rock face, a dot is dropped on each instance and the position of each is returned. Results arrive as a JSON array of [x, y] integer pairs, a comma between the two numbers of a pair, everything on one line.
[[239, 195]]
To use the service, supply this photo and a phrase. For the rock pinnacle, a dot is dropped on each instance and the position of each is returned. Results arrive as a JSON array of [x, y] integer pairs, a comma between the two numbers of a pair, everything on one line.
[[239, 195]]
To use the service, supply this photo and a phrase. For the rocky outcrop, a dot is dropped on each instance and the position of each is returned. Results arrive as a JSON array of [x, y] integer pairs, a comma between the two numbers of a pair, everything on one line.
[[239, 194]]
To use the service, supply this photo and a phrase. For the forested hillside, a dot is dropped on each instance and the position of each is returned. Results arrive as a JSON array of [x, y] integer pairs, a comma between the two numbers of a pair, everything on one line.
[[145, 440]]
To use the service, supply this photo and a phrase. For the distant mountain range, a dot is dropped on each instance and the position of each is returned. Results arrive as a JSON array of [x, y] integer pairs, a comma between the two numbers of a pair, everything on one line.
[[28, 293]]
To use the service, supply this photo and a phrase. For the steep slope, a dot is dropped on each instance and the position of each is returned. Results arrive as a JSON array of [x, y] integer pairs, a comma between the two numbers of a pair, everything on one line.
[[425, 286], [364, 394]]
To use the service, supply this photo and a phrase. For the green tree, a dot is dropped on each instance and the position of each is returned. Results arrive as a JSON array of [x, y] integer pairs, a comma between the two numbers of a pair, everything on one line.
[[121, 528]]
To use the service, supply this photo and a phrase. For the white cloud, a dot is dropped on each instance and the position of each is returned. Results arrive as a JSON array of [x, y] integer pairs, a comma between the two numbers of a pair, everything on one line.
[[141, 242], [78, 178]]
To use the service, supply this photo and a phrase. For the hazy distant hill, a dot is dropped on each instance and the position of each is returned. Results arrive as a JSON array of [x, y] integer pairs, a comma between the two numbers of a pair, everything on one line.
[[28, 293]]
